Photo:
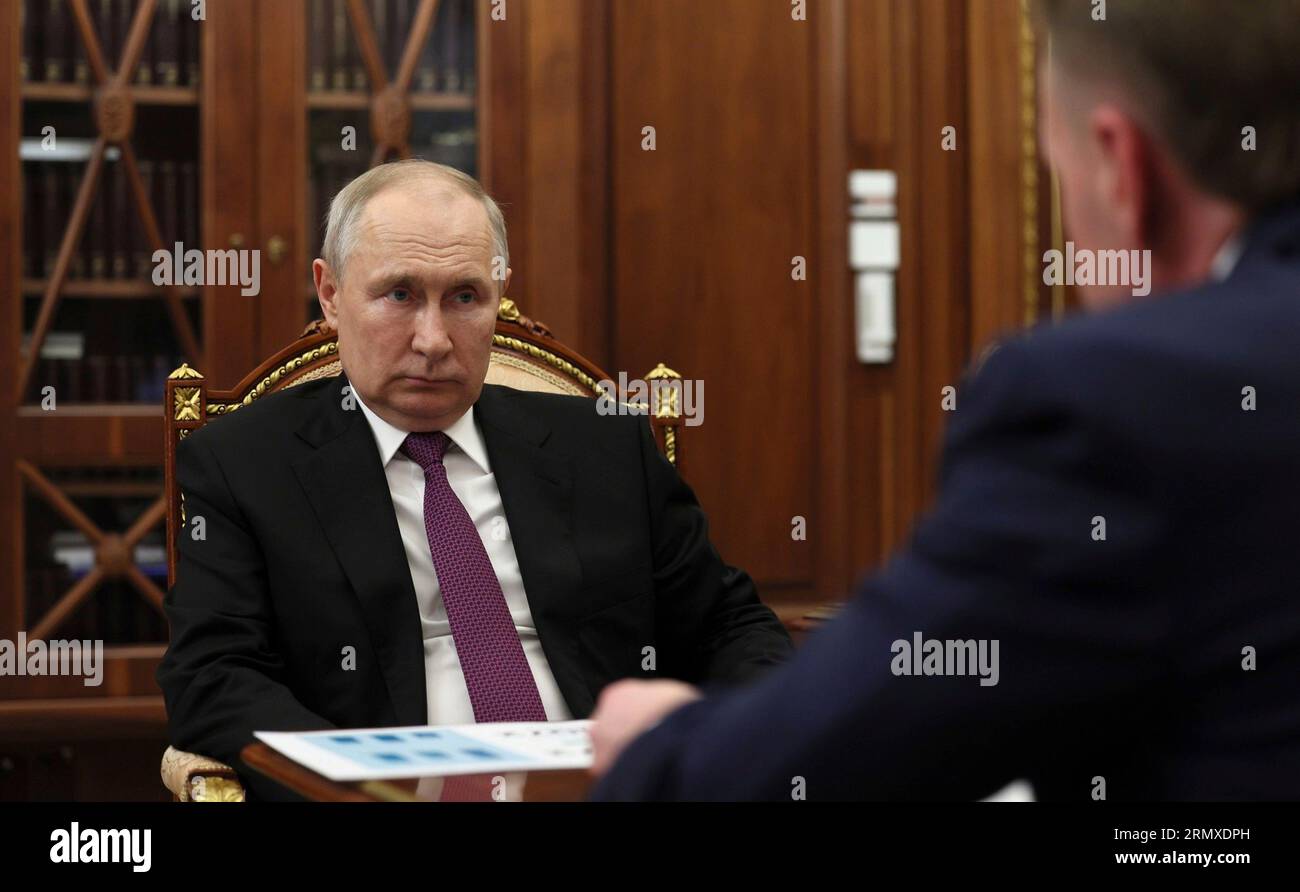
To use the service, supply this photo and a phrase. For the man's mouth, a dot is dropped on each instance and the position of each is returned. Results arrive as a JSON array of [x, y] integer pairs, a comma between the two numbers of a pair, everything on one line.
[[422, 381]]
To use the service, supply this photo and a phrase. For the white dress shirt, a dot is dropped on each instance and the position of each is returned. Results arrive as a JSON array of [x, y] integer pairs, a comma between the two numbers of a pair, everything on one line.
[[470, 475], [1225, 259]]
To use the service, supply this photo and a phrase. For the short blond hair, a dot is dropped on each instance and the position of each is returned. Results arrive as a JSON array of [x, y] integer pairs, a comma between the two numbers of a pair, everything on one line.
[[347, 206]]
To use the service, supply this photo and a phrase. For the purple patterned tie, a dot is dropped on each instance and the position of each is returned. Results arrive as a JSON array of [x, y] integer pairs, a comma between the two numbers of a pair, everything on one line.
[[501, 685]]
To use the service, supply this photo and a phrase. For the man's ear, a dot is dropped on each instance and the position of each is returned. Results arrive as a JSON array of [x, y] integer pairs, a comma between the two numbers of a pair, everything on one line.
[[506, 284], [1125, 177], [326, 291]]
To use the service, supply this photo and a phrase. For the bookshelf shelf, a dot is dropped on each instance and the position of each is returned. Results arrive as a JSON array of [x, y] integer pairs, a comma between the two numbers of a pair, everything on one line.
[[92, 410], [419, 100], [106, 289], [61, 92]]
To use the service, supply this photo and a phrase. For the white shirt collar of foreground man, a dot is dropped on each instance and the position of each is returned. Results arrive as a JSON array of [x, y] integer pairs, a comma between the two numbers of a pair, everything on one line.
[[1225, 261]]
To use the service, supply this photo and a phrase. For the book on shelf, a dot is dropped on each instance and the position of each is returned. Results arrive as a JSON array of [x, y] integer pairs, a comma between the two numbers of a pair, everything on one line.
[[426, 76], [469, 48], [189, 188], [113, 243], [399, 26], [52, 49], [168, 73], [105, 18], [55, 28], [379, 22], [317, 45], [24, 43], [444, 62], [145, 70], [142, 251], [339, 45], [120, 378], [450, 43]]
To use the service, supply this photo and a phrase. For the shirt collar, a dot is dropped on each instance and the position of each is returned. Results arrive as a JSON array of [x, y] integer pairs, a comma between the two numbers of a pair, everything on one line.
[[1225, 261], [464, 434]]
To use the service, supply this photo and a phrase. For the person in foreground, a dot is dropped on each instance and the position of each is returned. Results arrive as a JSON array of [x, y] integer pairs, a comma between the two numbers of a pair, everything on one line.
[[1105, 599], [403, 544]]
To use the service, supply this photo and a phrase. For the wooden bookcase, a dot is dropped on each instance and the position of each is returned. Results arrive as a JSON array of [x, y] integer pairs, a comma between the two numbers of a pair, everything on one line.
[[223, 133]]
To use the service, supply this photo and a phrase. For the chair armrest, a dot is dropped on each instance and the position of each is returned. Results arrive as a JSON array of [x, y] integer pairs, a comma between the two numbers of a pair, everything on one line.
[[194, 778]]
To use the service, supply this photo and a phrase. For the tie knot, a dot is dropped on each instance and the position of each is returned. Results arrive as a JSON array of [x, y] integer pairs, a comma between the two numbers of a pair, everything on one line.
[[426, 449]]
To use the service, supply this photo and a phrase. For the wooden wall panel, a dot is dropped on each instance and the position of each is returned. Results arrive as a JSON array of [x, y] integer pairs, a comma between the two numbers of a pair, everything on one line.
[[281, 129], [997, 134], [544, 158], [228, 169], [704, 230], [895, 421]]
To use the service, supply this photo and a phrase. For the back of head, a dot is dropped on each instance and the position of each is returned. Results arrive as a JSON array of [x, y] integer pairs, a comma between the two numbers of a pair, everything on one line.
[[1216, 82]]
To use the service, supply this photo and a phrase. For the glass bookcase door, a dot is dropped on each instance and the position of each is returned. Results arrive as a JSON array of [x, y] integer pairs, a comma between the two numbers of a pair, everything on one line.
[[110, 161], [386, 79]]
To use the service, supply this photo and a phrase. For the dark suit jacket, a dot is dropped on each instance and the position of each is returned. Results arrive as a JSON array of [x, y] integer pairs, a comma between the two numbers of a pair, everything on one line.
[[302, 558], [1120, 659]]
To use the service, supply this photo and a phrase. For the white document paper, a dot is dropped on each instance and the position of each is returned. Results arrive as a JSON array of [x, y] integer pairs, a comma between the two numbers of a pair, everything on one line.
[[386, 753]]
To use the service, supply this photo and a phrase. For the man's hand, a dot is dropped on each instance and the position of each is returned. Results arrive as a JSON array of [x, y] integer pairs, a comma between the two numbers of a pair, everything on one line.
[[627, 708]]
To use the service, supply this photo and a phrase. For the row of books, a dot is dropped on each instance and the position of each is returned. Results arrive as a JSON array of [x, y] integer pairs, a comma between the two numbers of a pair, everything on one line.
[[327, 178], [447, 59], [113, 243], [52, 49], [104, 379], [114, 613]]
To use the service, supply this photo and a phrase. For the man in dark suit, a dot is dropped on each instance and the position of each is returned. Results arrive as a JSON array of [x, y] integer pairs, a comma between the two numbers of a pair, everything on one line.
[[1106, 597], [404, 544]]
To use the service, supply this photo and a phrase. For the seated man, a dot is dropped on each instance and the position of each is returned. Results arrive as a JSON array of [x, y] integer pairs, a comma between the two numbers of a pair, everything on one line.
[[404, 544]]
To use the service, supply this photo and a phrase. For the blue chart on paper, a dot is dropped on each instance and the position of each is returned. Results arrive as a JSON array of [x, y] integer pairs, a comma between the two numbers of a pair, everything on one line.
[[418, 749]]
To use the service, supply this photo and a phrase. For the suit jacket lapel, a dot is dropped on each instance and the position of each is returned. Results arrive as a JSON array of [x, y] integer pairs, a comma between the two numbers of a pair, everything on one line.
[[345, 483], [536, 489]]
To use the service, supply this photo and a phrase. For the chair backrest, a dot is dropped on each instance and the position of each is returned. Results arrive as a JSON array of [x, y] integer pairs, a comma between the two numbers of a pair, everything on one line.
[[525, 356]]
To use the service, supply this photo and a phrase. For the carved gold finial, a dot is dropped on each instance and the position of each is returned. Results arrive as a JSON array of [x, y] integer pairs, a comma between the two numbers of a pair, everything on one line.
[[185, 372], [661, 371], [507, 311]]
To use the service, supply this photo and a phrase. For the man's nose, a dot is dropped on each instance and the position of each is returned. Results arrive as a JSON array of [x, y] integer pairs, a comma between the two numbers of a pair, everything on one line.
[[430, 337]]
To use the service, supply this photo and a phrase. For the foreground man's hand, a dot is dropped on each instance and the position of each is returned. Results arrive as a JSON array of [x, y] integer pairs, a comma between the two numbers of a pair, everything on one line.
[[627, 708]]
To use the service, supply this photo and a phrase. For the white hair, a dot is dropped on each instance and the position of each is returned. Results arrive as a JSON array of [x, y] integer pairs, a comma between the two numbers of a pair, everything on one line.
[[347, 206]]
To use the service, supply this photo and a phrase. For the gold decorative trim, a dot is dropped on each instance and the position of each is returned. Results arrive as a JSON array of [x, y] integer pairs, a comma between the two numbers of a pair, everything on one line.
[[1029, 163], [210, 788], [670, 445], [662, 371], [547, 357], [273, 379], [508, 311], [185, 404], [665, 398], [184, 372]]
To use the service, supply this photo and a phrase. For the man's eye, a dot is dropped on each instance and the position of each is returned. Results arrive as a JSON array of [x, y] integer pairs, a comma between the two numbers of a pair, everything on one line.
[[465, 297], [400, 295]]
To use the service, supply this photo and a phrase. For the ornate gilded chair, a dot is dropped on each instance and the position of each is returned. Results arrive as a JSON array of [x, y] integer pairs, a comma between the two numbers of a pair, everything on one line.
[[524, 355]]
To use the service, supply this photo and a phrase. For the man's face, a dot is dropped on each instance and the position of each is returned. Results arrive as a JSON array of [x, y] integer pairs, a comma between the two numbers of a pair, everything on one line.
[[416, 307]]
